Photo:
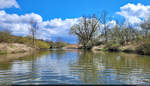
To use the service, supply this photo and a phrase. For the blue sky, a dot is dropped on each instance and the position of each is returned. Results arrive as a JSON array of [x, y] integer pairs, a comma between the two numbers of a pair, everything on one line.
[[50, 9], [57, 16]]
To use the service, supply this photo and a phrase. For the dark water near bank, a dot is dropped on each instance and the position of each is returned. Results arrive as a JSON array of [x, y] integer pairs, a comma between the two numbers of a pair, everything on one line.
[[76, 67]]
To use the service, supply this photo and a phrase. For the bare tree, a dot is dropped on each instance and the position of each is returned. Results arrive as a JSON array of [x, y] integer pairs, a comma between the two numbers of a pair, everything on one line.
[[86, 30], [33, 29], [103, 19], [146, 26]]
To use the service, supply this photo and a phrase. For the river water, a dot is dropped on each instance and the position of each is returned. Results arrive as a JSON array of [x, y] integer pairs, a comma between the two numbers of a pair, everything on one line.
[[75, 67]]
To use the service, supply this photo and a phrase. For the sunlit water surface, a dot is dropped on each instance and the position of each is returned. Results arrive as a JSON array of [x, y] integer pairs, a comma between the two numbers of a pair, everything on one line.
[[76, 67]]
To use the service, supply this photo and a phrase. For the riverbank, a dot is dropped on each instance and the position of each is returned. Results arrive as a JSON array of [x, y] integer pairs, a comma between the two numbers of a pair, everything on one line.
[[72, 46], [138, 48], [141, 48], [10, 48]]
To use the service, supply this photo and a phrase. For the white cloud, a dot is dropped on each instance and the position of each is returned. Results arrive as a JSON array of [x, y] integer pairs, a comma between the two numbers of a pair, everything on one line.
[[19, 25], [134, 13], [57, 28], [8, 4], [112, 24]]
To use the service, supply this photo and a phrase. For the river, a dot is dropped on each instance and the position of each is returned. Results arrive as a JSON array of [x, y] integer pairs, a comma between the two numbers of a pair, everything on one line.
[[75, 67]]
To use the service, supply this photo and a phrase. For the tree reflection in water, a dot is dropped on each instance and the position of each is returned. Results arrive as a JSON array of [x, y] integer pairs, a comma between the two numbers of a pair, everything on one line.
[[113, 68], [75, 66]]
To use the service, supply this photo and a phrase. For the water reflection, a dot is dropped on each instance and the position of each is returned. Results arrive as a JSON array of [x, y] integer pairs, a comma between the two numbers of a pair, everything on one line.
[[75, 67]]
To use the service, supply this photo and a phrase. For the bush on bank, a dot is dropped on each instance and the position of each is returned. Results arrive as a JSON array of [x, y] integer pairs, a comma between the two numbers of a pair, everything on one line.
[[144, 49]]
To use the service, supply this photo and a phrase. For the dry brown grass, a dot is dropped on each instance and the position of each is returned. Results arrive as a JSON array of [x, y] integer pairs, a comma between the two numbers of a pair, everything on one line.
[[72, 46], [7, 48]]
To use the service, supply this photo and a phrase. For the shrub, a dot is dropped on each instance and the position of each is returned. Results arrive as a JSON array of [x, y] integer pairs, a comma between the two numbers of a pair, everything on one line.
[[139, 38], [60, 44], [144, 49], [111, 46], [5, 36], [99, 43], [42, 44]]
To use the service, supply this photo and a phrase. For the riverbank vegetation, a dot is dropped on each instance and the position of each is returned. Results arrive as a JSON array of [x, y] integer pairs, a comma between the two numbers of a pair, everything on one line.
[[123, 36], [7, 37], [16, 44], [93, 32]]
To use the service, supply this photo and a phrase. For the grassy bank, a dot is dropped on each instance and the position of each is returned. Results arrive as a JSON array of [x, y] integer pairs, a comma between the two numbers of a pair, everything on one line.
[[16, 44], [141, 47], [7, 48], [6, 37]]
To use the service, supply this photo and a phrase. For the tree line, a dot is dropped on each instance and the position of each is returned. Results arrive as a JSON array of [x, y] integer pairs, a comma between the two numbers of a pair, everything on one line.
[[95, 30]]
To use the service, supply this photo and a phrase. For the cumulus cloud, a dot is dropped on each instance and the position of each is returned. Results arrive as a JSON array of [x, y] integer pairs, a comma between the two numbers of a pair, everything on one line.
[[57, 28], [18, 25], [8, 4], [49, 30], [134, 13]]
